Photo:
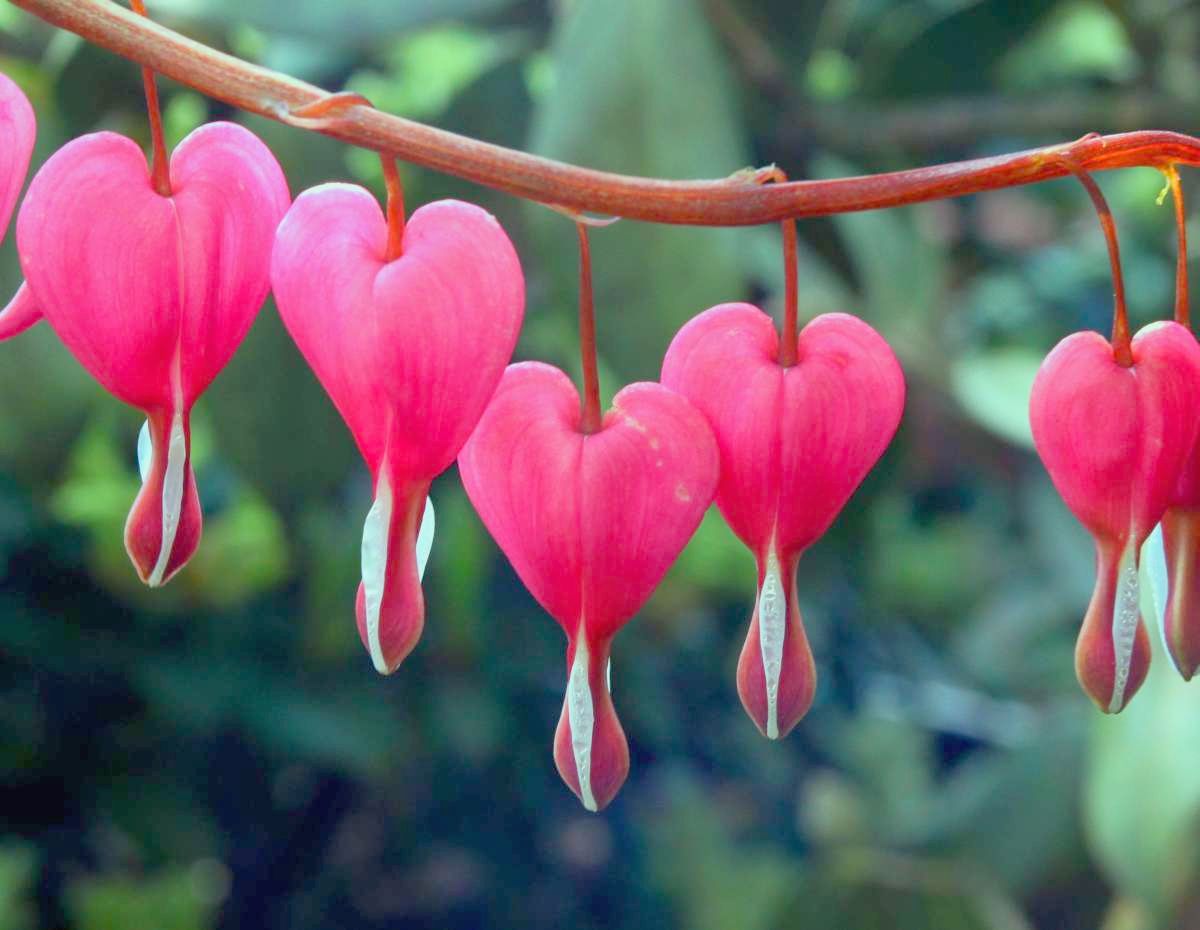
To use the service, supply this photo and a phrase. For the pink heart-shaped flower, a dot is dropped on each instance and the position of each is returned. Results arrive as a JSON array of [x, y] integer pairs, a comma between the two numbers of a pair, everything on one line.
[[409, 351], [1115, 440], [1178, 553], [795, 442], [591, 523], [18, 129], [153, 294]]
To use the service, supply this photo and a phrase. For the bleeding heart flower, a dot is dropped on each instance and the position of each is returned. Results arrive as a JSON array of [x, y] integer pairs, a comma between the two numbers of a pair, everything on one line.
[[410, 351], [591, 522], [795, 442], [1114, 440], [18, 128], [1173, 553], [153, 294]]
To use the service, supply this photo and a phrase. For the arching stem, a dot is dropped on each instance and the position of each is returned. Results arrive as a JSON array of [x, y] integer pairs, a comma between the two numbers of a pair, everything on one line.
[[703, 203], [791, 297], [395, 206], [327, 111], [1122, 350], [1183, 313], [160, 168], [773, 174], [590, 422]]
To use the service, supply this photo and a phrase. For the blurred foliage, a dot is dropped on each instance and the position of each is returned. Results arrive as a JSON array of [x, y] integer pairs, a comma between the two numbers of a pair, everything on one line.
[[218, 754]]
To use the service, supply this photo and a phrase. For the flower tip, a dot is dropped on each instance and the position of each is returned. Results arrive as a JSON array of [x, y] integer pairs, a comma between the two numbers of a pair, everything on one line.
[[590, 750], [390, 606], [776, 675], [396, 630], [1112, 654], [164, 525]]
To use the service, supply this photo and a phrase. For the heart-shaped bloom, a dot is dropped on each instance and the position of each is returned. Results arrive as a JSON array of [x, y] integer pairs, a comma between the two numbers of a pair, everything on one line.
[[795, 442], [1115, 440], [153, 294], [1173, 550], [18, 129], [591, 523], [410, 351]]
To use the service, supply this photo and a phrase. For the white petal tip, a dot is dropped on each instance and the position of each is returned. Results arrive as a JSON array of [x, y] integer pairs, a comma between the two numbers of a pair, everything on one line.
[[374, 565], [425, 538], [145, 451], [772, 628], [1124, 625], [582, 719], [172, 493]]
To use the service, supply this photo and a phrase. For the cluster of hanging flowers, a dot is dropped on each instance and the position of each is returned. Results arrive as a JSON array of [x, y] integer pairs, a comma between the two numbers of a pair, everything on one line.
[[152, 273]]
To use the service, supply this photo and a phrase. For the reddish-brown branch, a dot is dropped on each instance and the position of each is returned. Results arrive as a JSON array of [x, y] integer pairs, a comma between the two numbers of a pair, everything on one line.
[[160, 167], [729, 202], [1122, 350], [1183, 313], [590, 422]]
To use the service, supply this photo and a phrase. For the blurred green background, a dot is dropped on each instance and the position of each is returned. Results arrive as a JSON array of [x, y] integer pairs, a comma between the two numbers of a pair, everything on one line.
[[220, 754]]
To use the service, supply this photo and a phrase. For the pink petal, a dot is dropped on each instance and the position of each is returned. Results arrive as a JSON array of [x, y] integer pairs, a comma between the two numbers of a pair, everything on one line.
[[795, 443], [153, 294], [591, 523], [20, 314], [410, 351], [1181, 618], [18, 129], [521, 469]]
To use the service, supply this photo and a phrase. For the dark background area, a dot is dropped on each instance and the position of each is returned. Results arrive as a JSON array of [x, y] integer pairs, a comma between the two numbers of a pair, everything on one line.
[[220, 754]]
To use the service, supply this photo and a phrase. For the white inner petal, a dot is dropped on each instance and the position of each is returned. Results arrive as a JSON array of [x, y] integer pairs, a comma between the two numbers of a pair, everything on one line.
[[1124, 624], [581, 717], [172, 496], [374, 565], [772, 623], [145, 451], [425, 538], [1154, 557]]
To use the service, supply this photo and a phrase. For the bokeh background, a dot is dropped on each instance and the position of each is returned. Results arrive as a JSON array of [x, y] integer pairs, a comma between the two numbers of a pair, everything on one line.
[[220, 754]]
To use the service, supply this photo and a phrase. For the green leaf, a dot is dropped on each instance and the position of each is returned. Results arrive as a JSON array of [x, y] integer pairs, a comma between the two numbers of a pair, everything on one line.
[[18, 869], [640, 88], [244, 552], [176, 899], [1083, 40], [426, 70], [993, 388]]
